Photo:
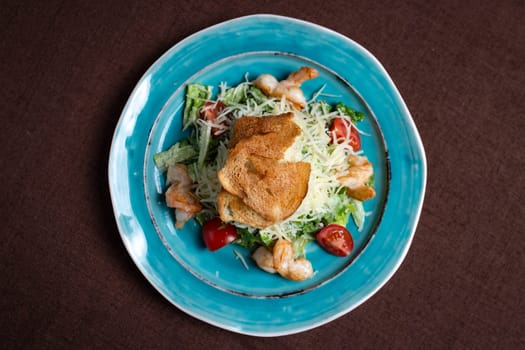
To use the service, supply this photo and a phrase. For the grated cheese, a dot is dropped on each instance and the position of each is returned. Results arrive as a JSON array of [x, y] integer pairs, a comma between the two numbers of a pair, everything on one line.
[[241, 258], [327, 161]]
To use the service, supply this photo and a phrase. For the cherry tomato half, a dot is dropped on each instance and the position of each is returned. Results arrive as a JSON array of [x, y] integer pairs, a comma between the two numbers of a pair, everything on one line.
[[209, 112], [217, 234], [340, 129], [336, 240]]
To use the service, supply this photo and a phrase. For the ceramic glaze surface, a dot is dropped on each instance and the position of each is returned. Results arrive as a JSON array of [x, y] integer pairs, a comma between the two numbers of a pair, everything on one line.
[[216, 287]]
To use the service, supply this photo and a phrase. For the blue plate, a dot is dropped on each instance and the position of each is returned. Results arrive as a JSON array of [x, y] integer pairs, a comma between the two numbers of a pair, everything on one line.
[[217, 287]]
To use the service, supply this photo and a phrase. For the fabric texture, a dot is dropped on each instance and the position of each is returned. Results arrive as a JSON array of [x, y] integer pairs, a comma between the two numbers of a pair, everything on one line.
[[68, 67]]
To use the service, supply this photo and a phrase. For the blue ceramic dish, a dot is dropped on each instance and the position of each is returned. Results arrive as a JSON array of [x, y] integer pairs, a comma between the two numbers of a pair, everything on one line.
[[216, 287]]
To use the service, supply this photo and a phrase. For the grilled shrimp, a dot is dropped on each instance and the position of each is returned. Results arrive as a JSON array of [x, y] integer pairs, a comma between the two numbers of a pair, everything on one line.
[[359, 174], [283, 262], [289, 88], [264, 259], [180, 196]]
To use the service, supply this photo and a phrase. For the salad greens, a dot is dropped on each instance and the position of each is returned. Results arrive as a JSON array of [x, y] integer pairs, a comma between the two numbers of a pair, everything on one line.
[[205, 153], [196, 95], [354, 115], [180, 152]]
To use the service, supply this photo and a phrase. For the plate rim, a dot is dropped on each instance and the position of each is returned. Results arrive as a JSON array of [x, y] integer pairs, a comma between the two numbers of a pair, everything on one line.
[[408, 119], [148, 178]]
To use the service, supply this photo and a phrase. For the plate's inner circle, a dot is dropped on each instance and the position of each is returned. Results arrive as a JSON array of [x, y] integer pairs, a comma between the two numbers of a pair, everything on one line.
[[224, 269]]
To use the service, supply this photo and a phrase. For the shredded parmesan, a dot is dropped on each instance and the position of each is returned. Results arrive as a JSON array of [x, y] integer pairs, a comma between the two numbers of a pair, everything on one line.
[[327, 160], [241, 258]]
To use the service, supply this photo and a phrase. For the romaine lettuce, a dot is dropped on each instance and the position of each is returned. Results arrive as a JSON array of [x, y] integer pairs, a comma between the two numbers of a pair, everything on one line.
[[178, 153], [196, 96], [354, 115]]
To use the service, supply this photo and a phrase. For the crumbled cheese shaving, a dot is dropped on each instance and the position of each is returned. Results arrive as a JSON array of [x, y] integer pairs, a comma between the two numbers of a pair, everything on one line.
[[328, 161], [241, 258]]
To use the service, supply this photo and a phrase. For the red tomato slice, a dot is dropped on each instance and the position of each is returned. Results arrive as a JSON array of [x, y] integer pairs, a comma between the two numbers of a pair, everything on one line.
[[339, 128], [217, 234], [209, 112], [336, 240]]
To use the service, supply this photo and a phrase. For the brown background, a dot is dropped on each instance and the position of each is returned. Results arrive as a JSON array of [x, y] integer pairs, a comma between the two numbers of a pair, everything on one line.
[[67, 70]]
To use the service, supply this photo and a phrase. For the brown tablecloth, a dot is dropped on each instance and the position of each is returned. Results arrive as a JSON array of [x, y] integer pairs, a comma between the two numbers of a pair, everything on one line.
[[67, 70]]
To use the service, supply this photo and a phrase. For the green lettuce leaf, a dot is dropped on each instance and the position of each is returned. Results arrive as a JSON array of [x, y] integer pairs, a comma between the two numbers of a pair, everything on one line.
[[204, 139], [248, 238], [354, 115], [196, 96], [348, 207], [180, 152]]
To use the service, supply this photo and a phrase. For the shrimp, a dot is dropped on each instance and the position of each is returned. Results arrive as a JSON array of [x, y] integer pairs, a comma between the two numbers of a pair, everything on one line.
[[264, 259], [180, 196], [288, 88], [359, 174], [178, 174], [284, 263]]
